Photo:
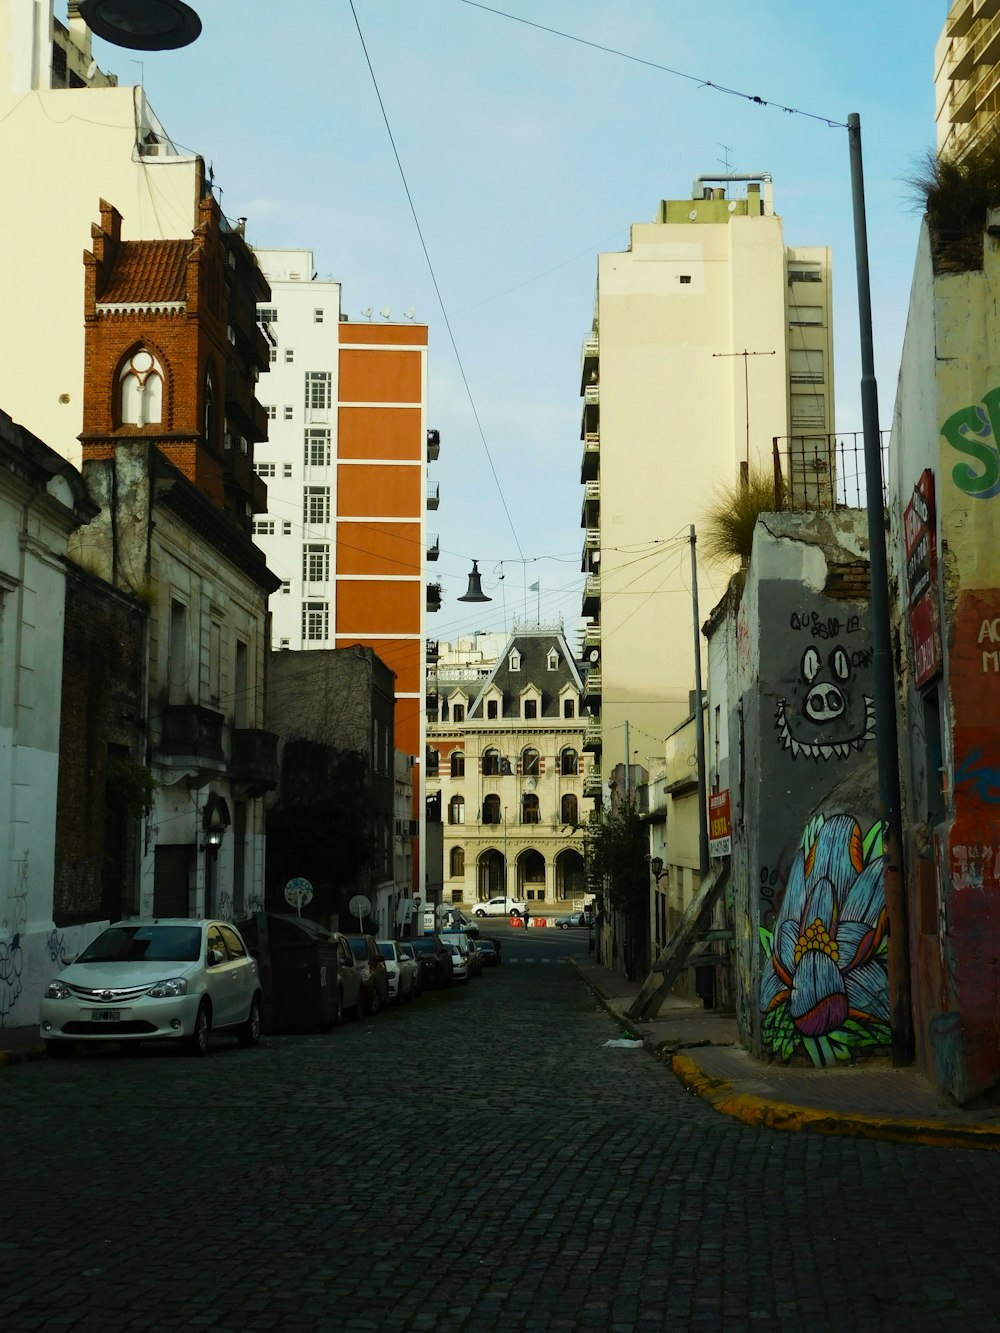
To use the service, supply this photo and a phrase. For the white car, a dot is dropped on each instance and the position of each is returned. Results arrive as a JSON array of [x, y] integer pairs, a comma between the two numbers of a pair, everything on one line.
[[460, 970], [173, 978], [403, 970], [500, 907]]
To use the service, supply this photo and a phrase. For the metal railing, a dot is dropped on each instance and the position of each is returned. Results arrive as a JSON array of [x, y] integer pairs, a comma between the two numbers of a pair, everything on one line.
[[819, 471]]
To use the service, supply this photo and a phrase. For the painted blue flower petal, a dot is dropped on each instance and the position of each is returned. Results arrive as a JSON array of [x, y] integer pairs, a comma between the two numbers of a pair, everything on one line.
[[838, 838], [771, 986], [795, 893], [819, 1000], [785, 939], [866, 899], [868, 990], [821, 905]]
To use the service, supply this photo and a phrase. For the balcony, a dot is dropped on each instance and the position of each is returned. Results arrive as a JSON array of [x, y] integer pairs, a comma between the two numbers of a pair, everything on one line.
[[591, 411], [592, 736], [592, 637], [433, 445], [591, 545], [431, 651], [433, 597], [590, 517], [592, 595], [434, 550], [191, 739], [591, 461], [986, 49], [589, 358], [592, 686], [593, 783], [433, 496], [254, 762], [961, 58], [960, 19], [962, 100]]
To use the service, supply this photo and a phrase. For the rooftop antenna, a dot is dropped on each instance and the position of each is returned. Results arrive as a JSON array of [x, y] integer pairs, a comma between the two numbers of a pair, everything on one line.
[[386, 311]]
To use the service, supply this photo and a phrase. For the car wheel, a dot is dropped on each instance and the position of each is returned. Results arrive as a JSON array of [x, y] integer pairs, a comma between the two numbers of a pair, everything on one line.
[[249, 1032], [59, 1050], [477, 912], [197, 1042]]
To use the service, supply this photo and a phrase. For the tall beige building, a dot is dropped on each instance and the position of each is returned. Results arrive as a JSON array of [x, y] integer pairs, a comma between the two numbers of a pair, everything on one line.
[[711, 340], [967, 75]]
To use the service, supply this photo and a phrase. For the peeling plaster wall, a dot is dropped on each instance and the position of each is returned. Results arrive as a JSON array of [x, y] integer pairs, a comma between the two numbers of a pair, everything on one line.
[[947, 421], [807, 897]]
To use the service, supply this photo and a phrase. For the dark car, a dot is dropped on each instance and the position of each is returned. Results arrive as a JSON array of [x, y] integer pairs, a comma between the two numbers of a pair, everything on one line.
[[489, 952], [575, 919], [374, 994], [434, 958], [497, 944]]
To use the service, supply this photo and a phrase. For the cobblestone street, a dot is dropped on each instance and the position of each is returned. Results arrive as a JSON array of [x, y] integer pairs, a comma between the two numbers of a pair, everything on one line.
[[476, 1161]]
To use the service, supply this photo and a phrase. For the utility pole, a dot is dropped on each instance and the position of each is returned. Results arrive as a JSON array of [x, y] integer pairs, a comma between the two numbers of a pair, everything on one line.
[[746, 400], [628, 759], [886, 735], [699, 722]]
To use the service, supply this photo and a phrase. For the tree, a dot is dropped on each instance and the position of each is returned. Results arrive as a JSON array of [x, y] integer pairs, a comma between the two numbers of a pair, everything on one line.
[[616, 851]]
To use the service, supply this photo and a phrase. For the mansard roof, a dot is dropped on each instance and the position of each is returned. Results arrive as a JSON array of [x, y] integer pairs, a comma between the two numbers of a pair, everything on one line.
[[533, 646]]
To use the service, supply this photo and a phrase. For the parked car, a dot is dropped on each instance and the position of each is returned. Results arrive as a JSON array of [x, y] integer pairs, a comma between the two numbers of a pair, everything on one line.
[[452, 919], [349, 988], [500, 907], [460, 970], [435, 960], [574, 919], [402, 970], [374, 975], [172, 979], [467, 947], [406, 948], [488, 951]]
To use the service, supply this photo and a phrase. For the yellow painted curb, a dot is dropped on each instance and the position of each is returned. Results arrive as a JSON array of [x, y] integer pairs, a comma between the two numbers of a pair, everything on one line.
[[752, 1110]]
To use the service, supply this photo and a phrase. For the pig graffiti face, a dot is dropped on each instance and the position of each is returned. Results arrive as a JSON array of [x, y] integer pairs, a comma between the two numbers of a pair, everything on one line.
[[825, 716]]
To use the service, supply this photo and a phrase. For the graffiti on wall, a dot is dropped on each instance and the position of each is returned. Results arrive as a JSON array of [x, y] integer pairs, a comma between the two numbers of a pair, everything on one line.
[[825, 714], [12, 925], [975, 432], [824, 989]]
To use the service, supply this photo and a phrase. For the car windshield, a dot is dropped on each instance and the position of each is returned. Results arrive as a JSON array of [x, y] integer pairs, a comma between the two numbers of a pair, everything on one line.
[[387, 950], [423, 946], [160, 944], [360, 949]]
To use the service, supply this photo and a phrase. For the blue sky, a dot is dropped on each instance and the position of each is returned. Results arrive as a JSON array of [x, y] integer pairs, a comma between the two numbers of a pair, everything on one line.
[[526, 154]]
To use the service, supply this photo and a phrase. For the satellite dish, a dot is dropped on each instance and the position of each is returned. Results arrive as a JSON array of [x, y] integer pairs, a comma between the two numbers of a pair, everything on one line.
[[367, 312], [359, 906], [91, 69], [693, 214], [386, 311], [410, 312], [732, 206], [594, 654]]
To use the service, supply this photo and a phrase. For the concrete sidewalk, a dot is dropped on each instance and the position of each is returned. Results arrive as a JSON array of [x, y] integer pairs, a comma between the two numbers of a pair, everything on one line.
[[867, 1100]]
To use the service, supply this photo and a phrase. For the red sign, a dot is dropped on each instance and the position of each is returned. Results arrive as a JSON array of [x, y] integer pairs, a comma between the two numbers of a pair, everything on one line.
[[720, 841], [919, 530]]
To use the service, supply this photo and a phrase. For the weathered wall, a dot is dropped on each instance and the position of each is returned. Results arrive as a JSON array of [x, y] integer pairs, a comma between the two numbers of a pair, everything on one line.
[[807, 884], [947, 425]]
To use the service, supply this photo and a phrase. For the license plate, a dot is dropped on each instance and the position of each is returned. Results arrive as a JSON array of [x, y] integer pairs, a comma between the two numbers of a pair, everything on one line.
[[105, 1015]]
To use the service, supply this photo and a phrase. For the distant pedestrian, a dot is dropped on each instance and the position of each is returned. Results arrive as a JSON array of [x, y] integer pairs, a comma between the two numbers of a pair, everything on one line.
[[525, 915]]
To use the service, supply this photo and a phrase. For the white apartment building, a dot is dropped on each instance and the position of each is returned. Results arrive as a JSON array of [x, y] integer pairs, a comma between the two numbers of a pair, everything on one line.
[[298, 461], [967, 75], [712, 338]]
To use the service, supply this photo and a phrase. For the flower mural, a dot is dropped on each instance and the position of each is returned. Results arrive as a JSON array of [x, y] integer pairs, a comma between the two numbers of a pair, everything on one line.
[[825, 987]]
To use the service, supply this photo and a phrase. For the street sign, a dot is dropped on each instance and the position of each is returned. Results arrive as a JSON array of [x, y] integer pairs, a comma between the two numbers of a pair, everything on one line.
[[298, 893], [719, 834]]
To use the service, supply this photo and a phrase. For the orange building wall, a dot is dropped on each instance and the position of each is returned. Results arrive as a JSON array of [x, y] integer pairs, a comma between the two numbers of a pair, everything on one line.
[[378, 608], [378, 548], [390, 491], [392, 376], [379, 432]]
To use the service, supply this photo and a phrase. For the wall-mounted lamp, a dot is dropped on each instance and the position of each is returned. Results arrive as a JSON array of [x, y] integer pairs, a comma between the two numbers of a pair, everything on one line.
[[214, 821], [656, 867]]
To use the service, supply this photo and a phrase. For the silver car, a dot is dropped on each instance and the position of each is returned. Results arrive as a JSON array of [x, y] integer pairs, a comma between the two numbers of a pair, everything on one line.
[[169, 979]]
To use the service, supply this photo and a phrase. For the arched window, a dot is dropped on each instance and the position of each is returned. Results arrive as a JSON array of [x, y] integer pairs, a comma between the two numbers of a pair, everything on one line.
[[209, 415], [568, 763], [458, 763], [570, 809], [529, 809], [529, 763], [457, 862], [456, 810], [491, 810], [141, 390], [491, 763]]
